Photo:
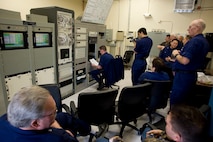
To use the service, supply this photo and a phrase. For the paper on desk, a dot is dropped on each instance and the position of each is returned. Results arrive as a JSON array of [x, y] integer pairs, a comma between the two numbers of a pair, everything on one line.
[[206, 79], [93, 61]]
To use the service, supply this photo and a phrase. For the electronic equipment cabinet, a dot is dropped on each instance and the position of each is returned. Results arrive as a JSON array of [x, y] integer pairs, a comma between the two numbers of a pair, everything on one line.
[[64, 41], [27, 55]]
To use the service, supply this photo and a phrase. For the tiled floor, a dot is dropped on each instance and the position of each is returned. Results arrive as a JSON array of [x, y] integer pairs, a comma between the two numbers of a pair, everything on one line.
[[129, 134]]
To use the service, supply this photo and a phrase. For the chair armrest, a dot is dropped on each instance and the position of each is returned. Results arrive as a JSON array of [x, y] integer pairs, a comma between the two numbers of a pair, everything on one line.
[[66, 108], [73, 109]]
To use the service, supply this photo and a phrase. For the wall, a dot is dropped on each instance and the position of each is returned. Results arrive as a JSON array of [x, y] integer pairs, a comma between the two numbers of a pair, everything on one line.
[[24, 6], [128, 15]]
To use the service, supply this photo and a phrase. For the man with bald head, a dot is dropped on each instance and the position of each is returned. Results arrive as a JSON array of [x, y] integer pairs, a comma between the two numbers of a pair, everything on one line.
[[188, 61]]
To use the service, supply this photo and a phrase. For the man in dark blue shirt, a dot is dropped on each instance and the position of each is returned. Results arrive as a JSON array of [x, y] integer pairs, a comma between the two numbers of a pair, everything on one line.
[[142, 49], [32, 117], [103, 63], [188, 61]]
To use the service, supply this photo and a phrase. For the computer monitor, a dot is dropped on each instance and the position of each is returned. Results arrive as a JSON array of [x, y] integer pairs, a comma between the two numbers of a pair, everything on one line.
[[13, 40], [42, 39]]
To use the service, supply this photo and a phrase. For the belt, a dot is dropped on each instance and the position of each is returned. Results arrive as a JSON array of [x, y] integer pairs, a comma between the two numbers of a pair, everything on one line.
[[185, 72]]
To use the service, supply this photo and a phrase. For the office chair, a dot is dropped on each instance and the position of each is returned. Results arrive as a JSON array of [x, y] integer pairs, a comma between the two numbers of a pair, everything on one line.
[[80, 128], [96, 108], [159, 95], [128, 58], [131, 105], [114, 72], [56, 94]]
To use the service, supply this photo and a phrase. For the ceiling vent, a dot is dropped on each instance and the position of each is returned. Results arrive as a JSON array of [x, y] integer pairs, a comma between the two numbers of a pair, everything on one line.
[[184, 6]]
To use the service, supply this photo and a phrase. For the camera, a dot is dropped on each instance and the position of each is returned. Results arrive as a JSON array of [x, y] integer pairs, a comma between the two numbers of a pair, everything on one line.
[[132, 39]]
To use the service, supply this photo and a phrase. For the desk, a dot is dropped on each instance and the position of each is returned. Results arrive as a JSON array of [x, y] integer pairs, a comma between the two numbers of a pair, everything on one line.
[[202, 90]]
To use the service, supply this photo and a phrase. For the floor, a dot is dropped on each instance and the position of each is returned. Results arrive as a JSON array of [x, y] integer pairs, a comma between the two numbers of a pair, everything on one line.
[[129, 134]]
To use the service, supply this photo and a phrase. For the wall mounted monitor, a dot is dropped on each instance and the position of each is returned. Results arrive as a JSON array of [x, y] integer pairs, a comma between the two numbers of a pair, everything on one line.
[[42, 39], [13, 40]]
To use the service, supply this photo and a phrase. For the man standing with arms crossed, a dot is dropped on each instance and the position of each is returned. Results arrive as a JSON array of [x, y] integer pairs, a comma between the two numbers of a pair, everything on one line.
[[188, 61]]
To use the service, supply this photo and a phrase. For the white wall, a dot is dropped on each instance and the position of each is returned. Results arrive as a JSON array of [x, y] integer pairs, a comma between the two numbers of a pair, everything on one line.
[[128, 15]]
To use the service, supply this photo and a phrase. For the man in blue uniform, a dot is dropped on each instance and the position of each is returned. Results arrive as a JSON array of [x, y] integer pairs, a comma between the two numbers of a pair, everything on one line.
[[104, 61], [32, 116], [188, 61], [142, 49]]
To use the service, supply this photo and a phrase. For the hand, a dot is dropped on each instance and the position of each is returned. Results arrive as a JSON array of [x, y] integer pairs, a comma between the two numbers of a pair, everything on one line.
[[174, 52], [55, 124], [154, 132], [115, 139], [69, 132], [168, 59]]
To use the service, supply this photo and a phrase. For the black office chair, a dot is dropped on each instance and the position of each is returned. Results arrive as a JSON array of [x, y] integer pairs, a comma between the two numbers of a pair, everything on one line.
[[56, 94], [131, 105], [128, 57], [159, 95], [81, 128], [96, 108]]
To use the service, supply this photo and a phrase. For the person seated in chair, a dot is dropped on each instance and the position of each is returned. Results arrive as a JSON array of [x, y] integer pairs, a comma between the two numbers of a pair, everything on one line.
[[32, 116], [183, 124], [104, 61], [157, 72]]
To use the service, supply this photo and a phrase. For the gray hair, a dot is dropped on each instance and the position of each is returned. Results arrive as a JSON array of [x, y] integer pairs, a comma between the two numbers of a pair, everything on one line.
[[27, 105]]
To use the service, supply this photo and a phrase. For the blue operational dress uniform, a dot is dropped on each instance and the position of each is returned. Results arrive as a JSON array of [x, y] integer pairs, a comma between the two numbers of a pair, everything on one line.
[[159, 76], [9, 133], [166, 52], [104, 61], [142, 50], [186, 75]]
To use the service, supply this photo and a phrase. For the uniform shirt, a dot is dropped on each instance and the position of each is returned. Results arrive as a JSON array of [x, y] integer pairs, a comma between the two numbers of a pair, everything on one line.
[[195, 50], [105, 59], [167, 51], [143, 47], [160, 76], [9, 133]]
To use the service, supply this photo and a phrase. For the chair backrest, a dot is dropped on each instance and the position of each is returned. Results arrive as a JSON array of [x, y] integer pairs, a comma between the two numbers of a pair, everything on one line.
[[114, 71], [56, 94], [211, 115], [159, 94], [132, 101], [97, 107], [127, 56]]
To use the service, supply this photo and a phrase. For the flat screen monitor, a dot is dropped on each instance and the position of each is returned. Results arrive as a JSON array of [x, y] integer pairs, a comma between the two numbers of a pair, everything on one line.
[[42, 39], [13, 40]]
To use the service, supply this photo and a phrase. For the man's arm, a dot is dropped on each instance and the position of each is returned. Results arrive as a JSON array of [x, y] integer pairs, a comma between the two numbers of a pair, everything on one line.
[[181, 59]]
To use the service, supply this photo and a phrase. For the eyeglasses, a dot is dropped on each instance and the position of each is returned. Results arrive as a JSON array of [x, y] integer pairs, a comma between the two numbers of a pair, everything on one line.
[[51, 114]]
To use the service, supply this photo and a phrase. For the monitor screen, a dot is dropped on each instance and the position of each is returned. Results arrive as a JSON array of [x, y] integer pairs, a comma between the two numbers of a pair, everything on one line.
[[43, 39], [13, 40]]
